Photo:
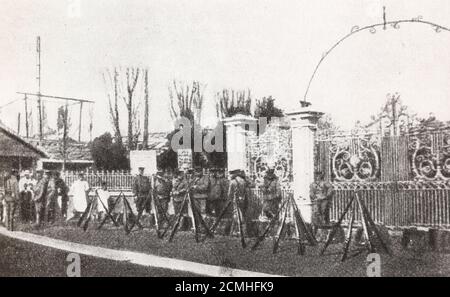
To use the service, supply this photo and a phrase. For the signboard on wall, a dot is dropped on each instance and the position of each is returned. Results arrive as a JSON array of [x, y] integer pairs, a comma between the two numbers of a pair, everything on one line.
[[184, 158], [146, 159]]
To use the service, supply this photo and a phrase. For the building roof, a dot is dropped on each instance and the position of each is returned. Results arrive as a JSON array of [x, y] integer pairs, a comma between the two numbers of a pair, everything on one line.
[[12, 145], [76, 151]]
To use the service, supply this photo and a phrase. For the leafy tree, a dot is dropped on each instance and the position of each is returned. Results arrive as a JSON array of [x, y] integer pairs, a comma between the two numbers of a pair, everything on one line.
[[266, 108], [109, 155]]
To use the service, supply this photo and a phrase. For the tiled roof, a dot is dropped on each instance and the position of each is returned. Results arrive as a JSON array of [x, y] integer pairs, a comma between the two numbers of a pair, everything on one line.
[[75, 150]]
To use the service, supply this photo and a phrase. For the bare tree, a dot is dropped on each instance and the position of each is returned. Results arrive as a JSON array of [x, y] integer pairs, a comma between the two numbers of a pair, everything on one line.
[[186, 100], [111, 81], [146, 111], [123, 85], [231, 102], [63, 125], [132, 76]]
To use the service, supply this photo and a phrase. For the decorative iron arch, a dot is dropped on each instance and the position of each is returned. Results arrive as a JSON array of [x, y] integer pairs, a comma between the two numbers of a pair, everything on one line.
[[372, 29]]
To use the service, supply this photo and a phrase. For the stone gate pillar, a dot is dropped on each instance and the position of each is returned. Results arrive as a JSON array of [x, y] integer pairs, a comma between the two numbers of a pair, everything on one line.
[[238, 128], [303, 125]]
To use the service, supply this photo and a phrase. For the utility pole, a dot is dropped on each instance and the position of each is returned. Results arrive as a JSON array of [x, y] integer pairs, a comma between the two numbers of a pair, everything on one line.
[[38, 78], [79, 124], [26, 118], [18, 124]]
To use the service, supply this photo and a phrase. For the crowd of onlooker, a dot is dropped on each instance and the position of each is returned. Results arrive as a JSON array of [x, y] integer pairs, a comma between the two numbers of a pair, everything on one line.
[[33, 197]]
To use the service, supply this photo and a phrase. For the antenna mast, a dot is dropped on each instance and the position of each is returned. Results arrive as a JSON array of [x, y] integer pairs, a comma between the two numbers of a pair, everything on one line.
[[38, 78]]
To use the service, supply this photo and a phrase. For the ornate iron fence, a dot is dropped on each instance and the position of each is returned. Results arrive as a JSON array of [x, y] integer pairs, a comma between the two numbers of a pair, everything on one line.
[[398, 204], [404, 180]]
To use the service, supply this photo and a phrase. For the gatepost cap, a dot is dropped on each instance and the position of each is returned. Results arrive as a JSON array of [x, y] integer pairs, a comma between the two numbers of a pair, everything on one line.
[[234, 171]]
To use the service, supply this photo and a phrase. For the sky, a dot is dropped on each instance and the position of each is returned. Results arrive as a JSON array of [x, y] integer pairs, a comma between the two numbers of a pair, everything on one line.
[[269, 47]]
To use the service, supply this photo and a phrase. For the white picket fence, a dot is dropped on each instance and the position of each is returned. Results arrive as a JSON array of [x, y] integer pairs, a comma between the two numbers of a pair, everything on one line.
[[115, 180]]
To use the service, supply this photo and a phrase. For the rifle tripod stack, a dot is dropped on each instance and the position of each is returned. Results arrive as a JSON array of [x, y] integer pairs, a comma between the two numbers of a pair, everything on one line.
[[126, 210], [368, 225], [237, 216], [196, 216], [302, 232]]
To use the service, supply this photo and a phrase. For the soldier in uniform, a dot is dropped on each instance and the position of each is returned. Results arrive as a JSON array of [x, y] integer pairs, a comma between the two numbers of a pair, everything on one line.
[[179, 191], [200, 190], [239, 189], [162, 188], [40, 192], [52, 211], [141, 190], [271, 194], [217, 193], [321, 193], [11, 199]]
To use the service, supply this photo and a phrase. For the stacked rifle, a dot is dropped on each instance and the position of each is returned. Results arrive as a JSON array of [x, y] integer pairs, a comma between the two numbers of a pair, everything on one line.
[[288, 216]]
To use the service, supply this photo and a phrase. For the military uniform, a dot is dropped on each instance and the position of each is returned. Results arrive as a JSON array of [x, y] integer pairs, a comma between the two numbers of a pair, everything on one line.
[[271, 195], [217, 195], [179, 190], [52, 210], [10, 200], [321, 193], [162, 189], [40, 191], [141, 189], [200, 191], [239, 189]]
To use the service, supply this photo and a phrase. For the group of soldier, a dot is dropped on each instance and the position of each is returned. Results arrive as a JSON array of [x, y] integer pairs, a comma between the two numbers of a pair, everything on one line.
[[34, 200], [209, 192], [45, 199]]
